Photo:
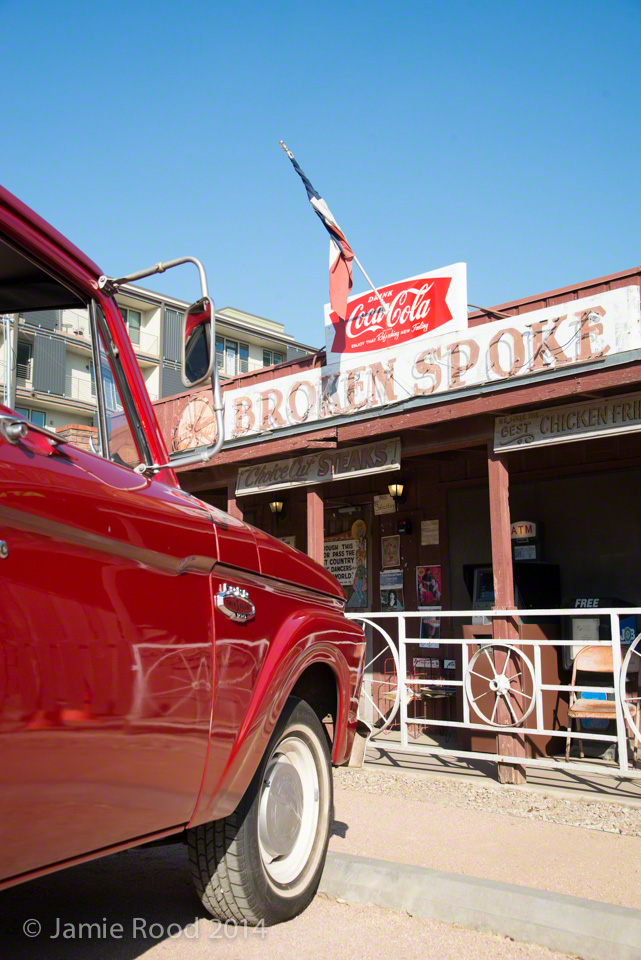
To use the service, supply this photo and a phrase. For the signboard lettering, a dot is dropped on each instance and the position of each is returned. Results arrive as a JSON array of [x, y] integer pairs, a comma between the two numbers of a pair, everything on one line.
[[579, 332], [573, 421], [417, 307], [522, 529], [340, 560], [320, 467], [541, 341]]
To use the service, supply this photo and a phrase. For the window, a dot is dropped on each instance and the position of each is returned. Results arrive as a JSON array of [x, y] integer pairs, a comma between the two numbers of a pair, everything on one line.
[[220, 352], [271, 356], [232, 357], [40, 360], [25, 351], [133, 321], [122, 443], [38, 417]]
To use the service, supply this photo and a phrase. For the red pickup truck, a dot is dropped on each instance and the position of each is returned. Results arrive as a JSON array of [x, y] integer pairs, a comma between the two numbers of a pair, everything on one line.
[[166, 671]]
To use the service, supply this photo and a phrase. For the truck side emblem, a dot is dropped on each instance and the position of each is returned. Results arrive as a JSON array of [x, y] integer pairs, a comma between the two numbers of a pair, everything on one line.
[[235, 603]]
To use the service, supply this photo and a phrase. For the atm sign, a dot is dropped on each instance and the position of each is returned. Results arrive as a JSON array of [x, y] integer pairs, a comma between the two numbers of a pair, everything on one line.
[[523, 530]]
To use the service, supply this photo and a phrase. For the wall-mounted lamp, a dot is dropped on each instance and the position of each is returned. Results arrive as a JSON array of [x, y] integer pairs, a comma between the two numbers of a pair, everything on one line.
[[396, 492], [276, 506]]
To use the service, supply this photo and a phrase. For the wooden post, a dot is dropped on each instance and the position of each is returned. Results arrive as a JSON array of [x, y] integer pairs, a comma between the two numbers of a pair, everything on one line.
[[509, 744], [233, 507], [315, 531]]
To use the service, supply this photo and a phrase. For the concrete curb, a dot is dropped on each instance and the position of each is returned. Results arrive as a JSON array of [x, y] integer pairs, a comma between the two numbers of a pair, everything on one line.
[[587, 928]]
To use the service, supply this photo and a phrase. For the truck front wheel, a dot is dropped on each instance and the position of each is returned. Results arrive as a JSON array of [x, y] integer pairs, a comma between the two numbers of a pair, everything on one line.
[[264, 861]]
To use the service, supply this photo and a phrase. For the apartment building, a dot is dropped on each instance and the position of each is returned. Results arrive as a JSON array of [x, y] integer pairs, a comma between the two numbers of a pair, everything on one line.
[[55, 381]]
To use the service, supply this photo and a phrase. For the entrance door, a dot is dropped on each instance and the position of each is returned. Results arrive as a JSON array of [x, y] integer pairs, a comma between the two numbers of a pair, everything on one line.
[[105, 644]]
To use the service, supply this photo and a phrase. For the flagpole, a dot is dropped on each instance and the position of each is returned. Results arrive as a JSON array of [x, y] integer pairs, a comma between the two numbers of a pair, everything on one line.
[[385, 306]]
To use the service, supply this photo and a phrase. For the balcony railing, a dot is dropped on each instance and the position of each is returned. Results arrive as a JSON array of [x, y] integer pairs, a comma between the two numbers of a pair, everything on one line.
[[230, 366], [23, 374], [80, 389], [147, 342], [75, 325]]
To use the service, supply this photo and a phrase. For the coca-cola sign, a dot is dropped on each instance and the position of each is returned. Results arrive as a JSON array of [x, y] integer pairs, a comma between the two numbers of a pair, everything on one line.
[[414, 308]]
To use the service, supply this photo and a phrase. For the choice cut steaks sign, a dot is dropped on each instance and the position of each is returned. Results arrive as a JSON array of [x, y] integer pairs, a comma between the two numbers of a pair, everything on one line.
[[416, 307], [320, 467], [556, 338]]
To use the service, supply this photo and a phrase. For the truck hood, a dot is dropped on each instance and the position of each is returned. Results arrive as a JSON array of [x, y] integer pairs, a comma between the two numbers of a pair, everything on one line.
[[243, 546], [279, 560]]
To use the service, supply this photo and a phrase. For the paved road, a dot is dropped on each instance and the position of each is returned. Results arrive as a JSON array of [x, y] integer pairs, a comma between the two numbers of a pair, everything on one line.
[[140, 888]]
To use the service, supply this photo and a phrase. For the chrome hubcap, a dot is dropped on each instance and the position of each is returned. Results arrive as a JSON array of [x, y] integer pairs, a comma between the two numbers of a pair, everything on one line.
[[288, 810], [281, 808]]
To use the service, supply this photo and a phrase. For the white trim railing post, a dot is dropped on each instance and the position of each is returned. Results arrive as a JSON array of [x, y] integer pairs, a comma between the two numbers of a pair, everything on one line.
[[538, 680], [622, 741], [465, 659], [402, 679]]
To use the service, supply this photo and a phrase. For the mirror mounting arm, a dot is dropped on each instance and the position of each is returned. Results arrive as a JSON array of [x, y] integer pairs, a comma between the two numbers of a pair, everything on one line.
[[110, 285]]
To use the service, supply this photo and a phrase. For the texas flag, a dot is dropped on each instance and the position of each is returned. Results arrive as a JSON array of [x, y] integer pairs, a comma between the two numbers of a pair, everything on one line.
[[340, 252]]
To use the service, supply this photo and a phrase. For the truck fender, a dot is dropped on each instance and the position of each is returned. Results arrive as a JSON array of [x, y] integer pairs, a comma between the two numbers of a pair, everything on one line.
[[305, 638]]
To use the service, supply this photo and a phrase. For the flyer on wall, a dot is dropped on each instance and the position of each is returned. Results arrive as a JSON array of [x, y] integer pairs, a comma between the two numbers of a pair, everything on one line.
[[428, 586], [430, 631], [392, 600]]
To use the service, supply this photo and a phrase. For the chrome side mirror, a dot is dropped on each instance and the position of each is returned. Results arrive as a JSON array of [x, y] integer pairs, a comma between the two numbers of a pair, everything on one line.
[[198, 354], [198, 349]]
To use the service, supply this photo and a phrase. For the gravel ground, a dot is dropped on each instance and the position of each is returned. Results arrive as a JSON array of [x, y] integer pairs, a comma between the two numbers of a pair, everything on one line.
[[495, 798]]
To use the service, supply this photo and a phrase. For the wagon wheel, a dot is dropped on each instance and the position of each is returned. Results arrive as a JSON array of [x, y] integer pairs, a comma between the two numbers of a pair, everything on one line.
[[633, 656], [499, 686], [366, 699], [196, 427]]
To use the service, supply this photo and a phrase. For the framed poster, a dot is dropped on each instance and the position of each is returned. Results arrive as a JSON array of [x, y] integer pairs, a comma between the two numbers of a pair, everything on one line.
[[391, 551], [428, 586]]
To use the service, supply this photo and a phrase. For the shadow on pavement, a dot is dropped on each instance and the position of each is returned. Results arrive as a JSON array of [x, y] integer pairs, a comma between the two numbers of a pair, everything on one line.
[[136, 888]]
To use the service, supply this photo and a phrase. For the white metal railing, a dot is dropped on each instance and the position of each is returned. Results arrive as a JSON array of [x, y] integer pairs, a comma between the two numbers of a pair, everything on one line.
[[529, 719], [75, 324], [80, 389], [231, 367], [147, 342], [23, 373]]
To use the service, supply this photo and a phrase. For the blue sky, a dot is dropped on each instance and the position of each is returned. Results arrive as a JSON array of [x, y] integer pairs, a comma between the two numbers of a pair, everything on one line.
[[503, 134]]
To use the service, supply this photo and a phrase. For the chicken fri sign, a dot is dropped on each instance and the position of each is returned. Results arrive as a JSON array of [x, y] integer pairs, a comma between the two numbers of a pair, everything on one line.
[[556, 338]]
